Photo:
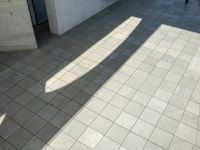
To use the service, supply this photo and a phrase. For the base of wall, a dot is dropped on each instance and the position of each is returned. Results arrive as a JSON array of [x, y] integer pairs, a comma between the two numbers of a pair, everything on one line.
[[17, 48], [63, 15]]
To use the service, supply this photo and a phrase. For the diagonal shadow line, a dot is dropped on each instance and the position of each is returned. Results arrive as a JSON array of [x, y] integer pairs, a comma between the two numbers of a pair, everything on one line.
[[141, 33], [112, 65]]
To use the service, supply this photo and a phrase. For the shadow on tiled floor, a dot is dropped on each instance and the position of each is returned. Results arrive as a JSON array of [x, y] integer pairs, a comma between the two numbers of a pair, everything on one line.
[[43, 34], [128, 78]]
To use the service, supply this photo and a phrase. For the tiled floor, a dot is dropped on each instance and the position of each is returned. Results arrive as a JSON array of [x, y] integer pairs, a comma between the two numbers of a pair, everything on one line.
[[126, 79]]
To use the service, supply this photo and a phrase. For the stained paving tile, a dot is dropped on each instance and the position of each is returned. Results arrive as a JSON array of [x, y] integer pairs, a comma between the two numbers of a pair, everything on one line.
[[161, 138], [143, 129], [114, 131], [134, 141], [62, 141], [90, 137]]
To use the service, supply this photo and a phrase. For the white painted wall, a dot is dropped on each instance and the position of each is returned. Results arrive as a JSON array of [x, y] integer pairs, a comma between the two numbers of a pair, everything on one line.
[[65, 14]]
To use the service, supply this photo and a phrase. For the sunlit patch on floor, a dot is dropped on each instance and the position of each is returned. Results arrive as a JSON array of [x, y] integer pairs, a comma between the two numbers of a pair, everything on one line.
[[93, 56]]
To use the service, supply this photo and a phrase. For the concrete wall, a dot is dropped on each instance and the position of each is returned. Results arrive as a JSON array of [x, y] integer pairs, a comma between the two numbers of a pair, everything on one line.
[[16, 31], [65, 14]]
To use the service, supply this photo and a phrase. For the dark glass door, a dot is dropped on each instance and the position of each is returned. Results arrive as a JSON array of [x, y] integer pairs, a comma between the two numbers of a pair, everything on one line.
[[40, 11]]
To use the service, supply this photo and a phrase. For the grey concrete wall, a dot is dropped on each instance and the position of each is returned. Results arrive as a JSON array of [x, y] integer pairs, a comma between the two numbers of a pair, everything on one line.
[[16, 31], [65, 14]]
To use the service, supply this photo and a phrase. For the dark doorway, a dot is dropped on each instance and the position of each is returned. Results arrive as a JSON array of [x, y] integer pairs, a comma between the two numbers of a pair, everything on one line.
[[37, 11]]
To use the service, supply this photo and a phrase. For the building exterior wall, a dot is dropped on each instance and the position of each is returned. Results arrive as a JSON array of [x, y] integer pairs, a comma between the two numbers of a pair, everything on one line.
[[16, 31], [63, 15]]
